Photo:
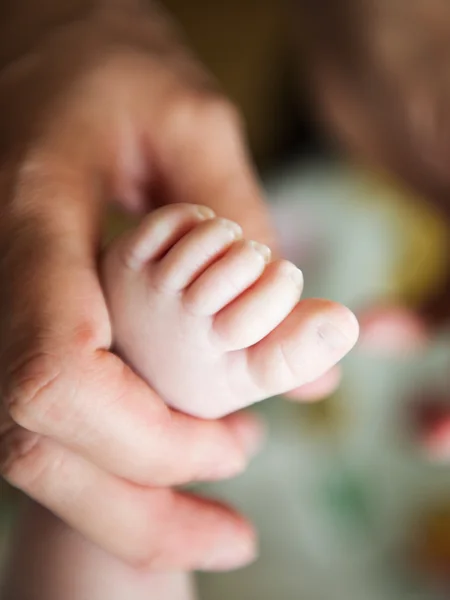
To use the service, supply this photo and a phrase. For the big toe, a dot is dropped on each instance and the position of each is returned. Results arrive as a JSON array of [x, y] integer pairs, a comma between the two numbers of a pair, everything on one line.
[[315, 336]]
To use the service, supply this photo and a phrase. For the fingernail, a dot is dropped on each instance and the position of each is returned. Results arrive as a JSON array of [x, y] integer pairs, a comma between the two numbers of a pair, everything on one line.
[[225, 469], [235, 229], [205, 212], [232, 549], [263, 250], [341, 334], [251, 433]]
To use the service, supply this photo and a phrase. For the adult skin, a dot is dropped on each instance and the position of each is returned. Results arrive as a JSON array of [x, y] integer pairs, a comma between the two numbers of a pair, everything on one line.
[[100, 102]]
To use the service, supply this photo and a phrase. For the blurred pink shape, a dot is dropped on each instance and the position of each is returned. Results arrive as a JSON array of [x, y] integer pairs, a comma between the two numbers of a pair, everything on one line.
[[317, 390], [436, 437], [392, 330]]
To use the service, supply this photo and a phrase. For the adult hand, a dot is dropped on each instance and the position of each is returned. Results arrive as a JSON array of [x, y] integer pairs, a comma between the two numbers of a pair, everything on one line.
[[106, 105]]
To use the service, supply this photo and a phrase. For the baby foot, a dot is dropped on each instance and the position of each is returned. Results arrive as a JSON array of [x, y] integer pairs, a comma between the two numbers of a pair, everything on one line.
[[209, 320]]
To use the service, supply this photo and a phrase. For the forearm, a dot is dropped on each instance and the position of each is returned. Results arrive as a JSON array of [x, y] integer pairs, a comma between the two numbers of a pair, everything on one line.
[[49, 561]]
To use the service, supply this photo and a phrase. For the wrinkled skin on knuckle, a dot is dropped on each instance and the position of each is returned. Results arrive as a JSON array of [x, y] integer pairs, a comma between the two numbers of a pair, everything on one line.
[[18, 454], [47, 348], [42, 367], [52, 311], [37, 389]]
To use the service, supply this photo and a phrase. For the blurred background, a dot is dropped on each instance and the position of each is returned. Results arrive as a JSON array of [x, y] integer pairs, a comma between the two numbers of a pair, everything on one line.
[[343, 102]]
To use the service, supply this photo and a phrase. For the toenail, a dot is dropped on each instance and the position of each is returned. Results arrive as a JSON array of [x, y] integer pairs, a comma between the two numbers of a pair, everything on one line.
[[333, 335], [297, 276], [205, 212], [235, 229], [263, 250]]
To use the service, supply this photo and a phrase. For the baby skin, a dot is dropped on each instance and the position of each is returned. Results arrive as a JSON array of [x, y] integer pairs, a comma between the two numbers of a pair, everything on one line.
[[214, 325], [209, 320]]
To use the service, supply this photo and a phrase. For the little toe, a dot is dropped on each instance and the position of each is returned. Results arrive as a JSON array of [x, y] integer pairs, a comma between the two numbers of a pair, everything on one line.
[[260, 309], [315, 336], [194, 253], [226, 279], [159, 231]]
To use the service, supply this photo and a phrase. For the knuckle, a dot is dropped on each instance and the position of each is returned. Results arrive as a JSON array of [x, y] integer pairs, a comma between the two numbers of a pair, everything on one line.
[[26, 462], [39, 384], [205, 114], [218, 111], [19, 451], [30, 390]]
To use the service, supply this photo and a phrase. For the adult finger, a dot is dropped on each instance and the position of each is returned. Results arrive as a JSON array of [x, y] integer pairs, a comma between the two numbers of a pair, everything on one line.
[[58, 377], [156, 528], [201, 146]]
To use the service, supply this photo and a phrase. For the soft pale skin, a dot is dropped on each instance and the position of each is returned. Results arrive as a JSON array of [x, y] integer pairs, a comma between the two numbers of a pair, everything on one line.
[[209, 320]]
